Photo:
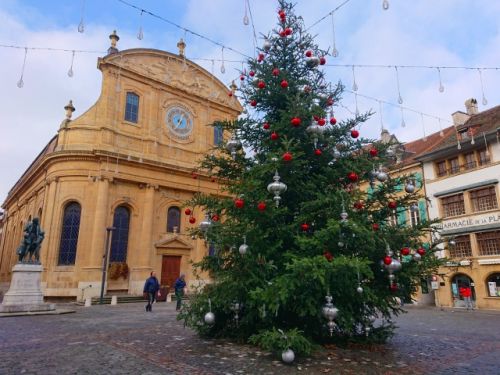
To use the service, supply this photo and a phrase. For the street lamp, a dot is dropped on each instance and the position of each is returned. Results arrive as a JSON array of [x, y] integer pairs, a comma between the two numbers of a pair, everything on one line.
[[105, 261]]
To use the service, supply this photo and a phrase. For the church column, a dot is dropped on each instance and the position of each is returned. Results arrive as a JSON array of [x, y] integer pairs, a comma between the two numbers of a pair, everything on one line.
[[96, 250], [144, 259], [47, 222]]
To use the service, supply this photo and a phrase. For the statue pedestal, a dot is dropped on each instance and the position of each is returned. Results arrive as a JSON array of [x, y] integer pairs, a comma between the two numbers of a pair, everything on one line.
[[25, 293]]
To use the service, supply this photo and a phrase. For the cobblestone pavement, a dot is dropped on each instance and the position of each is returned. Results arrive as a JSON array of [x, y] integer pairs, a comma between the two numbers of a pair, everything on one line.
[[124, 339]]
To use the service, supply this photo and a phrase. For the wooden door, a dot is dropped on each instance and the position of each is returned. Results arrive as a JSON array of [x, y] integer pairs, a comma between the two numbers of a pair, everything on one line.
[[170, 271]]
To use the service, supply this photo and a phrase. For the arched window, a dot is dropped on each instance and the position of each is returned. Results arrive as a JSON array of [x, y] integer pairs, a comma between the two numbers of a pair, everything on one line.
[[218, 135], [69, 234], [173, 219], [132, 107], [493, 285], [119, 241]]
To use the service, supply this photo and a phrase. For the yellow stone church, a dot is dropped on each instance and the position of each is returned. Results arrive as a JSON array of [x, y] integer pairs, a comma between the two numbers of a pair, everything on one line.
[[129, 163]]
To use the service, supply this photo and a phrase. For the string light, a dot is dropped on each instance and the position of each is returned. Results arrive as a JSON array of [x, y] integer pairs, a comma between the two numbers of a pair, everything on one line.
[[222, 67], [400, 99], [356, 101], [20, 83], [253, 28], [245, 17], [381, 116], [441, 87], [70, 71], [335, 52], [403, 123], [81, 26], [485, 102], [354, 84], [140, 34], [385, 4]]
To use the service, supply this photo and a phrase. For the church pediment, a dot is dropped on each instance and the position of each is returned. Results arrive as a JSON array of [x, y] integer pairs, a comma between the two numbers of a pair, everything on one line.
[[174, 242], [174, 71]]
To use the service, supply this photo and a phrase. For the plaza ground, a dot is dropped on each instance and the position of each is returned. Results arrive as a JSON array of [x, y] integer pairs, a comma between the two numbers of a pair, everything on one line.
[[124, 339]]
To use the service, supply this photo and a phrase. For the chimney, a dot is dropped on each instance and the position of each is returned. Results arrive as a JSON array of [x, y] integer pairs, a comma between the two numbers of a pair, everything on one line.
[[385, 136], [471, 106]]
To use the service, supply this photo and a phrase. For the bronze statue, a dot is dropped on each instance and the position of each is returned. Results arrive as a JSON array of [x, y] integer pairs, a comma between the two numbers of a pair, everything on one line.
[[29, 250]]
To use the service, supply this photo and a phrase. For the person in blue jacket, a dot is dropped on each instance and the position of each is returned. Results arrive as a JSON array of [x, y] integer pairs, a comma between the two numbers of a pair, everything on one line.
[[151, 288], [179, 286]]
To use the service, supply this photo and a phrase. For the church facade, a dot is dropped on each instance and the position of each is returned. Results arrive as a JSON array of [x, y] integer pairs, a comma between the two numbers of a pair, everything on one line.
[[116, 178]]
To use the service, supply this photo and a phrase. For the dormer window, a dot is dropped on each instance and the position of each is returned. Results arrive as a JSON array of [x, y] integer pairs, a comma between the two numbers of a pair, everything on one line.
[[132, 107]]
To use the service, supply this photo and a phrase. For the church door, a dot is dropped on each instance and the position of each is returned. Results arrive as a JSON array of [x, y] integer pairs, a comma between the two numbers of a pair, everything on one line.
[[170, 271]]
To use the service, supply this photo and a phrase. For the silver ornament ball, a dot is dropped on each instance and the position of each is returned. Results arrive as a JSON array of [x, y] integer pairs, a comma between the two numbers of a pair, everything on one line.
[[417, 257], [410, 188], [209, 318], [288, 356], [382, 176], [243, 249], [359, 289], [394, 266]]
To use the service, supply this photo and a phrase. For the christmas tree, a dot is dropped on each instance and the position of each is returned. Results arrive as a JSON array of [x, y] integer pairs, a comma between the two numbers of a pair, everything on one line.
[[303, 254]]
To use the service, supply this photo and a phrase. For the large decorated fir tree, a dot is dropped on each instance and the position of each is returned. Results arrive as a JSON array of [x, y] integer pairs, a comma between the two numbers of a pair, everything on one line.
[[304, 253]]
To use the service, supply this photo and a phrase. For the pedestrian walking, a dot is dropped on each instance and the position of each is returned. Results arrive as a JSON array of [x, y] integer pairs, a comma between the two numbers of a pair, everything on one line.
[[179, 286], [151, 288], [466, 293]]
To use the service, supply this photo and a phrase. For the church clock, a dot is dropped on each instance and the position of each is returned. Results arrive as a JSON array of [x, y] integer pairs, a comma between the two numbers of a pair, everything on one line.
[[179, 122]]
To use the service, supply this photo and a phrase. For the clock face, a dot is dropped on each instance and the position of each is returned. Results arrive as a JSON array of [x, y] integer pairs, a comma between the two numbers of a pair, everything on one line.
[[179, 122]]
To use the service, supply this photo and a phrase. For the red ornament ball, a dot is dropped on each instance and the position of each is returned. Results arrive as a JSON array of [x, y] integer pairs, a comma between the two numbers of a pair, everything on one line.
[[274, 136], [287, 156], [316, 118], [261, 206], [215, 217], [375, 227], [284, 84], [239, 203], [192, 220], [283, 34], [405, 251], [329, 101], [392, 205], [317, 152], [242, 77], [266, 125], [295, 121], [253, 103], [194, 175], [251, 73], [304, 227], [328, 256], [393, 287], [309, 53], [187, 211], [358, 205], [276, 72], [213, 179], [321, 122], [387, 260], [288, 31], [421, 251], [282, 15], [354, 133], [261, 84], [229, 93], [373, 152], [322, 61], [333, 120], [260, 58], [352, 176]]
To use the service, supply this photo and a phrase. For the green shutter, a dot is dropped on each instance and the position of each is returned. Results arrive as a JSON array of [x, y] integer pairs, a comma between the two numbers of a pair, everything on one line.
[[423, 210], [401, 216], [418, 180]]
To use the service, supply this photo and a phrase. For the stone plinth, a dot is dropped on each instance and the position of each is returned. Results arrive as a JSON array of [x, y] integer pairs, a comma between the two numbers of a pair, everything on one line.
[[25, 293]]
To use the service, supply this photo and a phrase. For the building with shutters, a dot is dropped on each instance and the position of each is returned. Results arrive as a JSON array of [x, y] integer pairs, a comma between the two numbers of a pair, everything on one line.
[[461, 180], [127, 162]]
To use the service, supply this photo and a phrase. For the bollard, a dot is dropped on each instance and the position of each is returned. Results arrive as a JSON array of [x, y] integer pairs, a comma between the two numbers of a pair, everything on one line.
[[169, 297], [88, 302], [114, 300]]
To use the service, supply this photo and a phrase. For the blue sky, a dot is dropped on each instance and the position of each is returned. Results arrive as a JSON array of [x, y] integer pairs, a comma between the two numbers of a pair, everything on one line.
[[420, 32]]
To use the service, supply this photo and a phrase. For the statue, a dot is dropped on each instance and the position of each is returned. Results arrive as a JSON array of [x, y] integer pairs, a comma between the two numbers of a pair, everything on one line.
[[31, 243]]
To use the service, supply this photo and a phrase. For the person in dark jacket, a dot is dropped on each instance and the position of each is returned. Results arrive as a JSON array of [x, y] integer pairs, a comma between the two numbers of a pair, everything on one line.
[[151, 288], [179, 286]]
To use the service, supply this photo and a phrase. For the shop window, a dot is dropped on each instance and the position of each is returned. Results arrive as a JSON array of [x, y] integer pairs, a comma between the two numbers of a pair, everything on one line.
[[218, 135], [483, 157], [483, 199], [488, 243], [461, 281], [493, 285], [454, 166], [462, 247], [470, 161], [119, 241], [173, 220], [453, 205], [441, 168], [132, 107], [69, 234]]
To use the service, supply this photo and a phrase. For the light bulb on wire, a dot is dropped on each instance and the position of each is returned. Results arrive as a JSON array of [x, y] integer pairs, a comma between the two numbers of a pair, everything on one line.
[[140, 34], [20, 83], [385, 4], [70, 71], [81, 26], [222, 67], [246, 21]]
